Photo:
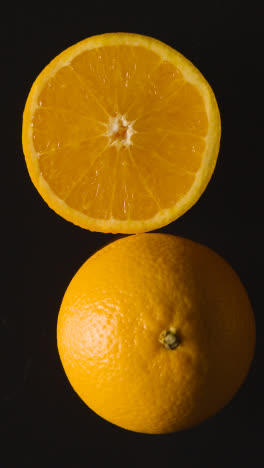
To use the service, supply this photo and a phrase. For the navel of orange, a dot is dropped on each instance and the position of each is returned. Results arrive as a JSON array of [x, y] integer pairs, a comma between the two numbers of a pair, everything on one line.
[[121, 133]]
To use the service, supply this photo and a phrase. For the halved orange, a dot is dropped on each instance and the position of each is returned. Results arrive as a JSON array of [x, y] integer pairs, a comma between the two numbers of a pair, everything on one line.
[[121, 133]]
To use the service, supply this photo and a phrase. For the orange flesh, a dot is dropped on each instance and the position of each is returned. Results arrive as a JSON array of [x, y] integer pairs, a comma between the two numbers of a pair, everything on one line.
[[106, 172]]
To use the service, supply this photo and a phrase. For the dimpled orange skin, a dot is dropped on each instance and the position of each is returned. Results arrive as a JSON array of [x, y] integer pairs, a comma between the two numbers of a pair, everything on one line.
[[112, 317]]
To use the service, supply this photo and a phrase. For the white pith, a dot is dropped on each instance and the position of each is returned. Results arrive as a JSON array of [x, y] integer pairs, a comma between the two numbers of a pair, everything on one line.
[[114, 126]]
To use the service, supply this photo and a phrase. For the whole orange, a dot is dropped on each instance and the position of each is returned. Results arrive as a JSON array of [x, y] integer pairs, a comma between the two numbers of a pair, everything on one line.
[[156, 333]]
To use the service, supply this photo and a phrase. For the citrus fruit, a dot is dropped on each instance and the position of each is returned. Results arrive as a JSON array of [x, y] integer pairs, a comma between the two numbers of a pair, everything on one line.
[[156, 333], [121, 133]]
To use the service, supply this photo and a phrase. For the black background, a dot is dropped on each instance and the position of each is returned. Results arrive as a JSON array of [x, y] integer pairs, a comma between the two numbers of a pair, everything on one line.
[[43, 422]]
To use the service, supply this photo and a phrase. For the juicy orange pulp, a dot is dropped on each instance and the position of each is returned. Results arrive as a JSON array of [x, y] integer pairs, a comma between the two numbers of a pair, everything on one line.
[[136, 105], [119, 133]]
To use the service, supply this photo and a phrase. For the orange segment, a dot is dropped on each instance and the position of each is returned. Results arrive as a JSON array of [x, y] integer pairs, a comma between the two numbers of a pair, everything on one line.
[[137, 204], [156, 173], [121, 133], [59, 166]]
